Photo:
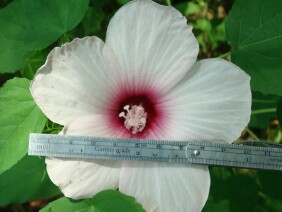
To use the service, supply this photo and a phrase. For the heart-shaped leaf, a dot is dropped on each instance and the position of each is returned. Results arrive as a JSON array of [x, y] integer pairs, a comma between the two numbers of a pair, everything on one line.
[[105, 201], [19, 117], [254, 31]]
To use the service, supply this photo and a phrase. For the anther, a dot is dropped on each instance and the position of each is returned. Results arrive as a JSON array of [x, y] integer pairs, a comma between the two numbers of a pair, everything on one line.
[[135, 118]]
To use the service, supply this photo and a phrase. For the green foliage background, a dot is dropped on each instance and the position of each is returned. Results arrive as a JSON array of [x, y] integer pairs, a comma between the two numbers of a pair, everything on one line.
[[249, 33]]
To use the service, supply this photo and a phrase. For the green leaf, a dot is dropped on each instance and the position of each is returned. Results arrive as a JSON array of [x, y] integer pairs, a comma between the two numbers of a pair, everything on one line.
[[49, 19], [219, 178], [13, 31], [105, 201], [30, 25], [271, 183], [243, 193], [33, 63], [272, 205], [110, 200], [67, 205], [221, 206], [122, 1], [218, 32], [189, 8], [262, 108], [237, 191], [254, 31], [52, 128], [25, 181], [92, 21], [279, 112], [19, 117]]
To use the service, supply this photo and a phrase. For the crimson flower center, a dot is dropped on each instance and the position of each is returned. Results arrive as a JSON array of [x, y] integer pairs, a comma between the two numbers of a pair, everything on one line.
[[137, 113]]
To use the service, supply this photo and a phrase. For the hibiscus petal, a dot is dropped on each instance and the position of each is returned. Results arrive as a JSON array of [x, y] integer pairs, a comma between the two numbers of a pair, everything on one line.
[[153, 43], [75, 80], [212, 102], [78, 178], [166, 187], [95, 125]]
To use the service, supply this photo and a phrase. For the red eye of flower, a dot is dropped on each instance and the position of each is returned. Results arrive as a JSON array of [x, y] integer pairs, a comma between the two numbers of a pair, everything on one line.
[[137, 112]]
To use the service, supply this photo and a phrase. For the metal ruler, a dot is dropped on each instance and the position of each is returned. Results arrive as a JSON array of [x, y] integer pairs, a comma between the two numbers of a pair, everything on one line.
[[208, 153]]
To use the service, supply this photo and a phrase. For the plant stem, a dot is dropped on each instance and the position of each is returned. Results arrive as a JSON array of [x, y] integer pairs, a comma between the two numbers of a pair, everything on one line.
[[268, 110], [252, 134], [168, 2], [224, 55]]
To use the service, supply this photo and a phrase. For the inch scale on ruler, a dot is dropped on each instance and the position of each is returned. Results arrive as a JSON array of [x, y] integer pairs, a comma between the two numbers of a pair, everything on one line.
[[217, 154]]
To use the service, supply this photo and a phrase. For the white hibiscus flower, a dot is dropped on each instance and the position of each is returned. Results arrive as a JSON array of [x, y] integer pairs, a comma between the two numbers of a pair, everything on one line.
[[143, 82]]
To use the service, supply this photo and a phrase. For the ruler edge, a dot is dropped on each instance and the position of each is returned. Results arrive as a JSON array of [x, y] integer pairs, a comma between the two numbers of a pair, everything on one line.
[[214, 143], [163, 142]]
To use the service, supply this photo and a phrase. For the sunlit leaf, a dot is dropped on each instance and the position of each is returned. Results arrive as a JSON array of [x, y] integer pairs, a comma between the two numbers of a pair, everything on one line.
[[189, 8], [254, 31], [105, 201], [218, 32], [19, 117], [25, 181]]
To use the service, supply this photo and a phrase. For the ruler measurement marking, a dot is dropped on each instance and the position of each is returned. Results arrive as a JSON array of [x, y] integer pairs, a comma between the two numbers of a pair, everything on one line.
[[120, 149], [247, 150], [143, 145], [254, 153], [152, 150]]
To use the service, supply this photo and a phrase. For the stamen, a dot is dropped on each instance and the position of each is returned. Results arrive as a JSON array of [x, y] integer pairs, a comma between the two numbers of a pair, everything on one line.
[[135, 119], [122, 114]]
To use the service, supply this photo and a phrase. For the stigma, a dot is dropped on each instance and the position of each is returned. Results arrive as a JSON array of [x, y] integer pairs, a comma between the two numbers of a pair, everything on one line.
[[135, 118]]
